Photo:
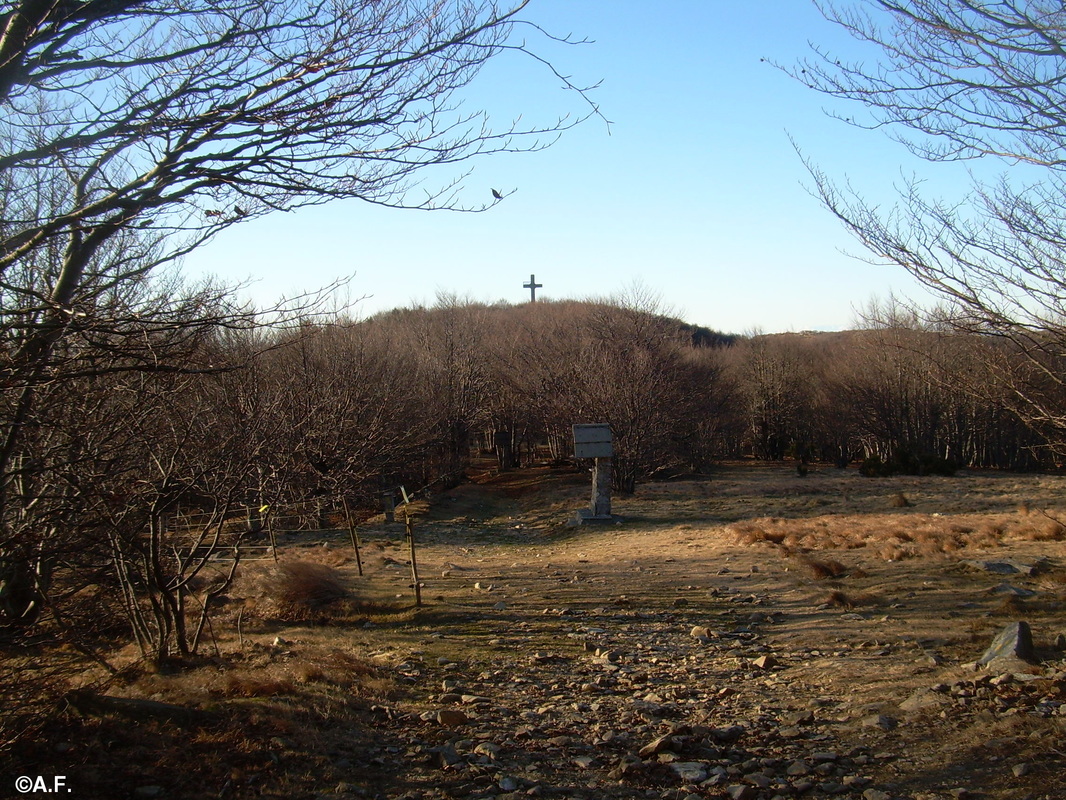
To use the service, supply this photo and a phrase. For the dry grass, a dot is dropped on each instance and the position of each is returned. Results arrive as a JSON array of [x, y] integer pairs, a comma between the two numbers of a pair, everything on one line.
[[849, 600], [897, 537], [823, 569], [295, 591], [245, 685], [899, 500]]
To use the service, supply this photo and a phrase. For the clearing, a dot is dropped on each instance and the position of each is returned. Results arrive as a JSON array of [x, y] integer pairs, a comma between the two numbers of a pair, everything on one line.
[[750, 634]]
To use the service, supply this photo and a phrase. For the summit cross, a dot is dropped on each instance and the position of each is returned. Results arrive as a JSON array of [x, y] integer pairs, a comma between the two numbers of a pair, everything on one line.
[[532, 286]]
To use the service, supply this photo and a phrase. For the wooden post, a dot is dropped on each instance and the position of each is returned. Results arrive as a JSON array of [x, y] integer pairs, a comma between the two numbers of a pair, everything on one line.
[[388, 505], [254, 514], [353, 534], [414, 564], [273, 539]]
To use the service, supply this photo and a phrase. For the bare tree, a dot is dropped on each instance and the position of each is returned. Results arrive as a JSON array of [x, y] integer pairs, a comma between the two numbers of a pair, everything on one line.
[[133, 131], [965, 80]]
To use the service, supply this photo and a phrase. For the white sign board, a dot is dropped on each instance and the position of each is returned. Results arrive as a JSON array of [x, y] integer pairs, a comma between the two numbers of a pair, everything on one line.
[[593, 441]]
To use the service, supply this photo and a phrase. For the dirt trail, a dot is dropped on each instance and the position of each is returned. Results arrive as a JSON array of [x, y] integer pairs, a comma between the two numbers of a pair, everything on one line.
[[751, 635]]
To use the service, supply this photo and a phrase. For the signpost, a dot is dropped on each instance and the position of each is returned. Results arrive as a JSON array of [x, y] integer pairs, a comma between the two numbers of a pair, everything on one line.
[[596, 442]]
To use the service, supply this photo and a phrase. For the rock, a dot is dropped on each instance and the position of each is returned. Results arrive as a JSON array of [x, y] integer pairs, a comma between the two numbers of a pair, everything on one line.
[[1009, 566], [765, 662], [657, 746], [1014, 641], [148, 791], [922, 698], [689, 771], [881, 721], [701, 632], [798, 769], [730, 734], [738, 792], [876, 794], [507, 783], [799, 718], [451, 718], [1012, 591]]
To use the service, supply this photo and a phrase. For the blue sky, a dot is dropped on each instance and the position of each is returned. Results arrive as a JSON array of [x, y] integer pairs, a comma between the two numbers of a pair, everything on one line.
[[695, 192]]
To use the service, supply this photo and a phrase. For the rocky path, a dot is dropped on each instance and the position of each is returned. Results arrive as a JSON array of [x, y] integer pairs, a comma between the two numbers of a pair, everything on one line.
[[614, 677]]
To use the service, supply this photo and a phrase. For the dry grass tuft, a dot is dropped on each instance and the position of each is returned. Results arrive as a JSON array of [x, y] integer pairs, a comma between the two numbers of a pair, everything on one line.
[[899, 500], [1012, 604], [823, 569], [301, 587], [1050, 530], [849, 600], [256, 686], [753, 533]]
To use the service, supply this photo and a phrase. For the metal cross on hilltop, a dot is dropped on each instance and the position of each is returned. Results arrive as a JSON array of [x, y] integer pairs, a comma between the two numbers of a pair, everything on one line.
[[532, 286]]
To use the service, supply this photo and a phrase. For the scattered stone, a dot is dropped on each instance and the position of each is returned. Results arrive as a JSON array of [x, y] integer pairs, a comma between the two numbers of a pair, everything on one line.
[[739, 792], [922, 698], [881, 721], [799, 718], [507, 783], [1010, 566], [1011, 590], [701, 632], [148, 791], [451, 718], [657, 746], [690, 771], [876, 794], [1014, 642], [730, 734], [765, 662], [1021, 770]]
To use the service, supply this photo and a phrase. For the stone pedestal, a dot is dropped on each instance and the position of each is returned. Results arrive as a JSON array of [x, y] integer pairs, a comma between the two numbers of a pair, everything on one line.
[[601, 488], [599, 510]]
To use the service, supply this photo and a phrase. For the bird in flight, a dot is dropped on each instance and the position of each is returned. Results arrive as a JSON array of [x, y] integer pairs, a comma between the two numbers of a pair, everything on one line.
[[497, 195]]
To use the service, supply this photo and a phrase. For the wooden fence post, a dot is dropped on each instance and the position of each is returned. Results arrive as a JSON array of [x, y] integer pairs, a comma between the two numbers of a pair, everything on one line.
[[273, 538], [353, 534], [414, 564]]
